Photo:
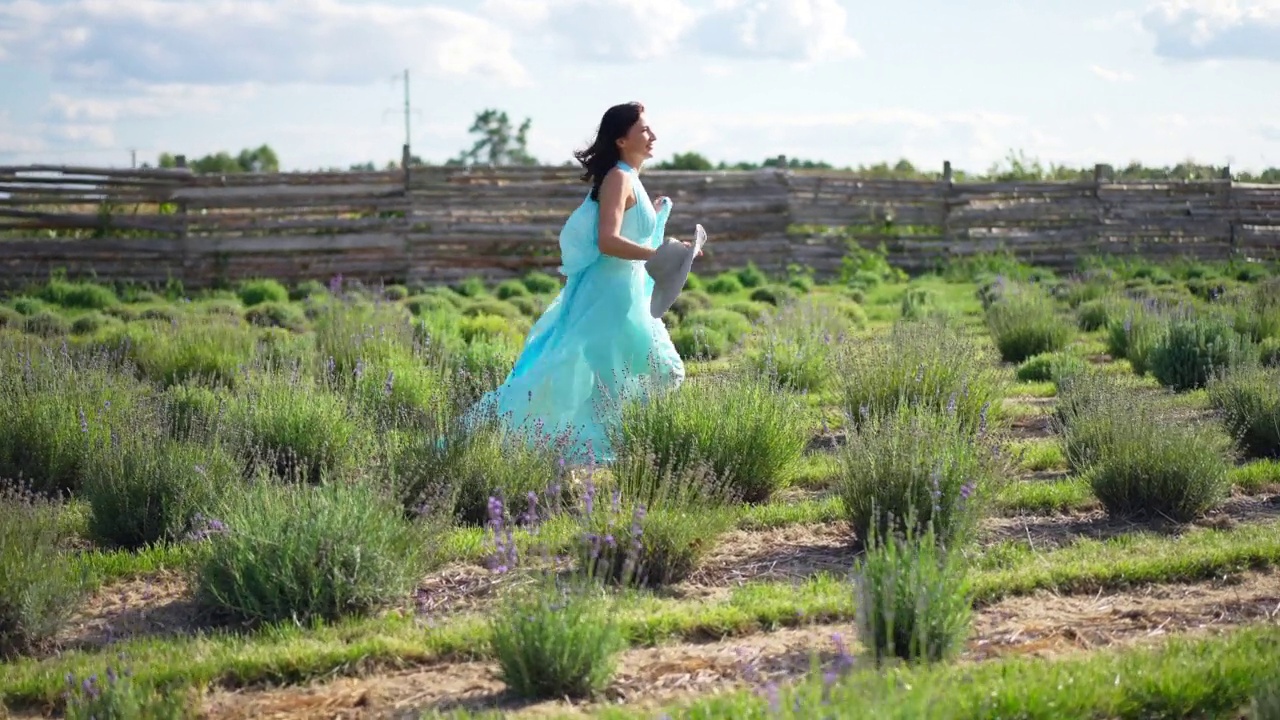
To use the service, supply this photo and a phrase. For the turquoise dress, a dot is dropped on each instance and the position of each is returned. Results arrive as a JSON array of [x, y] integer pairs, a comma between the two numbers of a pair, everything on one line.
[[596, 344]]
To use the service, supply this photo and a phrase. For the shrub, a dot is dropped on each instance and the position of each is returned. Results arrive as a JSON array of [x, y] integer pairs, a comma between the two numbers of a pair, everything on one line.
[[471, 465], [690, 301], [1050, 366], [209, 352], [115, 695], [554, 641], [46, 324], [225, 309], [540, 283], [472, 287], [395, 293], [255, 292], [300, 553], [188, 411], [10, 318], [491, 327], [1095, 314], [1142, 463], [28, 306], [81, 295], [917, 303], [775, 295], [1026, 324], [51, 408], [308, 289], [1083, 415], [796, 346], [1134, 336], [653, 545], [274, 314], [699, 343], [349, 333], [88, 323], [508, 289], [295, 428], [1269, 352], [747, 433], [491, 306], [915, 463], [1248, 400], [39, 586], [1258, 316], [728, 323], [528, 305], [913, 598], [726, 283], [750, 309], [144, 490], [926, 363], [401, 390], [752, 276], [420, 305], [1193, 348]]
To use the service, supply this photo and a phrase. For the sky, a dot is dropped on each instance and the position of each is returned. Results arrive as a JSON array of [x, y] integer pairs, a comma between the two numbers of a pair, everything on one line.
[[1077, 82]]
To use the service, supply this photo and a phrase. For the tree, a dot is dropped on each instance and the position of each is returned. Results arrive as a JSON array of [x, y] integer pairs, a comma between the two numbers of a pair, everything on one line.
[[497, 143], [259, 159], [686, 161]]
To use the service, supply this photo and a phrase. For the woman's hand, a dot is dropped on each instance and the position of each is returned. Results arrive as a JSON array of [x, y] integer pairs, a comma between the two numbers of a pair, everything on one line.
[[688, 244], [662, 200]]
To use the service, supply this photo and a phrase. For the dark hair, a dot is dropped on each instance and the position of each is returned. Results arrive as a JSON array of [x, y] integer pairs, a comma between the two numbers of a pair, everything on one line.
[[602, 155]]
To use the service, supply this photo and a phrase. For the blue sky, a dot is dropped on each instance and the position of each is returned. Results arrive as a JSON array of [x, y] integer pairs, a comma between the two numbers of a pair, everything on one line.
[[847, 81]]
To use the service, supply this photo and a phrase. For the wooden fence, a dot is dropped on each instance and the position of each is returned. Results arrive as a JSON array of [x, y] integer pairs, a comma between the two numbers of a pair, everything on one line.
[[440, 224]]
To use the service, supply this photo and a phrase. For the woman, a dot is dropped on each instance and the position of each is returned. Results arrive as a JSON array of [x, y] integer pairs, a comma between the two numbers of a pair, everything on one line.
[[596, 344]]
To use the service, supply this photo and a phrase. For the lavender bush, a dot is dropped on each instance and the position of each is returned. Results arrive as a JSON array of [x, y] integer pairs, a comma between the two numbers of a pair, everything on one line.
[[928, 363], [294, 427], [39, 585], [913, 597], [745, 432], [1248, 401], [556, 639], [917, 463], [115, 695], [300, 552]]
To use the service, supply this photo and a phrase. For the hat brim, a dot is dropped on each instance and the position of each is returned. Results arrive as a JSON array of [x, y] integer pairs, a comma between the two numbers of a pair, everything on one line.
[[668, 284]]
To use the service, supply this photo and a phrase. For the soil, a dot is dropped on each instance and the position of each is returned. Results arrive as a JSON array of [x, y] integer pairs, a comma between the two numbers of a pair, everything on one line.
[[1041, 625], [161, 605]]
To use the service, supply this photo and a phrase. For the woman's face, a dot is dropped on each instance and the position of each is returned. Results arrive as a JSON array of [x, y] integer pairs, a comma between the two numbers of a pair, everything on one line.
[[639, 139]]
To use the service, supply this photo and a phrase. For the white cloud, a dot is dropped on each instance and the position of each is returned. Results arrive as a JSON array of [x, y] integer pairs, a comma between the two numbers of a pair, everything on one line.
[[806, 31], [150, 101], [18, 141], [86, 134], [1215, 29], [227, 42], [1112, 76], [621, 31], [968, 139]]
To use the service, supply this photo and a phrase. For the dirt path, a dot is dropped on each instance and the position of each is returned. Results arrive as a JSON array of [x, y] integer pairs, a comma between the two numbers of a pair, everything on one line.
[[161, 605], [1043, 625]]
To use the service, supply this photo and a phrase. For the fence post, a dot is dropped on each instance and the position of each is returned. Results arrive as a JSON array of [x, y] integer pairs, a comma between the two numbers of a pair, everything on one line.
[[1228, 200], [946, 203], [184, 245]]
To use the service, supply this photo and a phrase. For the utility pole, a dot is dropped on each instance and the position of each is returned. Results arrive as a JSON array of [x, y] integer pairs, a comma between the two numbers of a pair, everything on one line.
[[133, 158], [404, 155]]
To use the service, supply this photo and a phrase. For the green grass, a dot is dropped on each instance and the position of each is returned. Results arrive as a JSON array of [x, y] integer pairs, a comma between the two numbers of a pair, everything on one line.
[[1181, 677], [293, 654]]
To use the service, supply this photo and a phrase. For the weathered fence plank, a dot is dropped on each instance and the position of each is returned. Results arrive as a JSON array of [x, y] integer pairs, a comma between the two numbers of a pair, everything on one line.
[[443, 223]]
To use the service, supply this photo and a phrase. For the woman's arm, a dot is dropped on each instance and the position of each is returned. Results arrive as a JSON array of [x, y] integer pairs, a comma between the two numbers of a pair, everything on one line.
[[613, 203]]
